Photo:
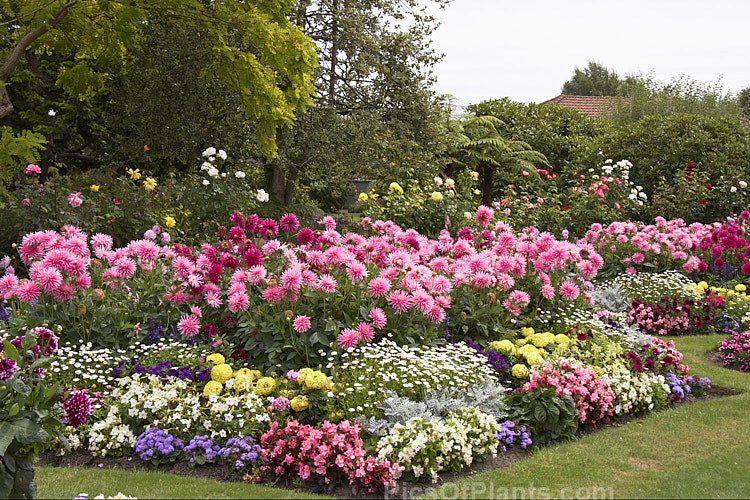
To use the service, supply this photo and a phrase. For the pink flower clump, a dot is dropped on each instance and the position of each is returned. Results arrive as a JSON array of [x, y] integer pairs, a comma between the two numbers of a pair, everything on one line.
[[592, 396], [329, 454]]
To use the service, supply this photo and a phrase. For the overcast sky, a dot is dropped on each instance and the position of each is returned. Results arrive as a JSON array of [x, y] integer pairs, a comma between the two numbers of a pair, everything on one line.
[[526, 49]]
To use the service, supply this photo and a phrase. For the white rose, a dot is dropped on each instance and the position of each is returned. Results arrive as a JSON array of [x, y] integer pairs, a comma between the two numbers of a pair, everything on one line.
[[239, 174], [743, 184], [206, 165], [209, 152], [213, 172], [733, 189], [222, 154], [206, 182]]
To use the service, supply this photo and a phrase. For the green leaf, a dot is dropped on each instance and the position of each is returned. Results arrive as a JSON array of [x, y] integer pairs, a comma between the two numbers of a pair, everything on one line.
[[11, 352], [24, 430], [6, 437]]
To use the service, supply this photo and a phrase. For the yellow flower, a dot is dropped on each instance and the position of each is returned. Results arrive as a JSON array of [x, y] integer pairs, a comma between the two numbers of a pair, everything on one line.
[[134, 174], [394, 186], [534, 358], [242, 382], [520, 371], [317, 380], [703, 284], [169, 221], [221, 373], [740, 287], [243, 372], [527, 349], [216, 359], [255, 374], [561, 338], [303, 374], [149, 184], [541, 339], [502, 346], [436, 196], [362, 197], [265, 386], [94, 188], [212, 387], [299, 403], [527, 331]]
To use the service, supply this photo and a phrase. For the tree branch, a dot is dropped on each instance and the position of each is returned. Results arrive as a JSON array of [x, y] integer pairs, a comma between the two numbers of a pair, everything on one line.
[[15, 56]]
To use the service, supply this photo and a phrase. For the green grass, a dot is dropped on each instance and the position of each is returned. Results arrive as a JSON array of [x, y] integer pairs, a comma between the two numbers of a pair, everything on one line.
[[67, 482], [696, 450], [693, 451]]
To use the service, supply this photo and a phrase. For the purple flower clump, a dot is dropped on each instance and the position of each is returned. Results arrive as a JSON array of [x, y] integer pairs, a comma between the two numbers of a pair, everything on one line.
[[202, 445], [241, 450], [155, 444], [7, 368], [509, 434]]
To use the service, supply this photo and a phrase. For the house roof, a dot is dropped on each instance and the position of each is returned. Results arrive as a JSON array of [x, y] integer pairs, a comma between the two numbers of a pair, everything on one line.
[[593, 106]]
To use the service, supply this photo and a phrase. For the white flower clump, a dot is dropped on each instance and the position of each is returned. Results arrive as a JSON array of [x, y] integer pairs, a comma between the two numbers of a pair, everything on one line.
[[652, 287], [110, 436], [633, 391], [423, 447], [262, 196], [370, 371]]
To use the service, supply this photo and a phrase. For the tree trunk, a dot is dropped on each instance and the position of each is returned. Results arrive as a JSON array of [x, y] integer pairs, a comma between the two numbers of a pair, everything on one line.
[[488, 180], [276, 181]]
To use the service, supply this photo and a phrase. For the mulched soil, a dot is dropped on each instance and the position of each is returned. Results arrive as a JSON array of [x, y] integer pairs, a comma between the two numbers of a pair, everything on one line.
[[404, 489]]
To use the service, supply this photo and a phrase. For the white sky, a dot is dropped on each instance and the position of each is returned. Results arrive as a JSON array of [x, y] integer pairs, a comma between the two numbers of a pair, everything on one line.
[[526, 49]]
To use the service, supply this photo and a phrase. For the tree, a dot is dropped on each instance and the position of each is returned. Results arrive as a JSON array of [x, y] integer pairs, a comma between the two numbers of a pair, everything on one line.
[[256, 51], [743, 99], [595, 79], [482, 146], [374, 112]]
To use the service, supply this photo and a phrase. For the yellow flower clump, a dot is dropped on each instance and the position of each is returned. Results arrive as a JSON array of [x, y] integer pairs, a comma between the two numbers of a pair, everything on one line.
[[264, 386], [212, 387], [216, 359], [534, 358], [299, 403], [561, 338], [527, 331], [542, 339], [520, 371], [396, 188], [317, 380], [502, 346], [221, 373]]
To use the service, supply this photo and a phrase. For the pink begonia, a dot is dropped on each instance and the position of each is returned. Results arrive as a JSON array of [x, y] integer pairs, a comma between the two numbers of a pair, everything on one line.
[[32, 169], [302, 324], [74, 199]]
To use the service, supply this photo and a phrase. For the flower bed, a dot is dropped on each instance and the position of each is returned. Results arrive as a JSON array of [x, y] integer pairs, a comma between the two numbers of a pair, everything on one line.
[[349, 359]]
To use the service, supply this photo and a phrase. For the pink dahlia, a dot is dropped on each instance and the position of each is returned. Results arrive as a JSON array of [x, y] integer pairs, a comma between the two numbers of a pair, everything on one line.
[[188, 325], [348, 338], [378, 317], [302, 324], [569, 290], [289, 223], [77, 408], [366, 332], [379, 286]]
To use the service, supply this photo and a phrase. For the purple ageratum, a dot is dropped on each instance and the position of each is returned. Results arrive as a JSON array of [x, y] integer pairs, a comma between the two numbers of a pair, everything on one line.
[[509, 435], [202, 446], [156, 444], [241, 450]]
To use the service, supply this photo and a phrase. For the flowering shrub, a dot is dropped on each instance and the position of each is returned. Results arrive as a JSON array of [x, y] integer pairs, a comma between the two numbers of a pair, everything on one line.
[[674, 316], [591, 395], [424, 447], [329, 455], [734, 350]]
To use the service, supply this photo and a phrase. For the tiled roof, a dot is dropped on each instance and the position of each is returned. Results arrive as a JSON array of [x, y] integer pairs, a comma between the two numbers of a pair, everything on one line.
[[592, 106]]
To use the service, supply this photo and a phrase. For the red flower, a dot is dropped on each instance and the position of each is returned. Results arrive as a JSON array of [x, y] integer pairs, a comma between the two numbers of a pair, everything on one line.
[[703, 201], [709, 187], [690, 165]]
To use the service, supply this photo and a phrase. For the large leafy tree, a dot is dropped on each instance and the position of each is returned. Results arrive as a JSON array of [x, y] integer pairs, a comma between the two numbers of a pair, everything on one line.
[[743, 100], [374, 111], [594, 79], [256, 51]]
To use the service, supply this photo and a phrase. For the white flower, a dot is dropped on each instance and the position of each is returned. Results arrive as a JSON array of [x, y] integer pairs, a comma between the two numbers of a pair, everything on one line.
[[733, 189], [209, 151], [223, 174], [222, 154], [206, 182], [52, 112], [743, 184], [206, 165], [213, 172], [438, 181], [239, 174], [262, 195], [474, 175]]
